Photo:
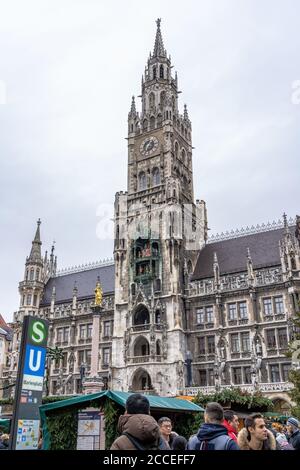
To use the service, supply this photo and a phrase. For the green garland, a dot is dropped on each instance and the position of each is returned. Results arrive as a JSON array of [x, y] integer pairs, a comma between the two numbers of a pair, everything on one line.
[[112, 413], [62, 428], [188, 424], [236, 398]]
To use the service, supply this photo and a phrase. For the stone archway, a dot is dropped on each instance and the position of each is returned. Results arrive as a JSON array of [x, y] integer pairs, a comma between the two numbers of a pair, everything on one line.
[[281, 405], [141, 347], [141, 381], [141, 315]]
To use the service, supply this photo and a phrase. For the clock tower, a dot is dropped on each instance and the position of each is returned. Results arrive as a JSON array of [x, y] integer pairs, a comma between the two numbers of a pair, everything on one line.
[[158, 233]]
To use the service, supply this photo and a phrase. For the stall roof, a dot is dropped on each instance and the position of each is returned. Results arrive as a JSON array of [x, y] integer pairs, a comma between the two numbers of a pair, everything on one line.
[[156, 402]]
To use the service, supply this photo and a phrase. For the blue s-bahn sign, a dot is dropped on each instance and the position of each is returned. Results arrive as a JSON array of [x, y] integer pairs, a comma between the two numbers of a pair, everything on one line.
[[29, 387]]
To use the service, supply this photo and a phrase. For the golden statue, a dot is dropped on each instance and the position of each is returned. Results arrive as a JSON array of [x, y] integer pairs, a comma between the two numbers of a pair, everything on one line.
[[98, 295]]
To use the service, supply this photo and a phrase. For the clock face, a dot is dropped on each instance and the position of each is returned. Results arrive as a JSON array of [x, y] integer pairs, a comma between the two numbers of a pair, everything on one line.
[[148, 146]]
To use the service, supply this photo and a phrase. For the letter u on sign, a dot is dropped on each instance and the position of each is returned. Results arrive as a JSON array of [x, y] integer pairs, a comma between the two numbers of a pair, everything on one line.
[[35, 359]]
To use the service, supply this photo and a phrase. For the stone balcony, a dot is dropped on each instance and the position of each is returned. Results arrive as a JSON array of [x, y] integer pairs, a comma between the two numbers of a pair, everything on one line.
[[143, 359], [146, 327], [262, 387]]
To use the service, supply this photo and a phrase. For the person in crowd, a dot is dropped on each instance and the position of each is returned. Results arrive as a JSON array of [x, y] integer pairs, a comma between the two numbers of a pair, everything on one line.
[[165, 426], [292, 425], [231, 423], [255, 435], [282, 442], [178, 443], [212, 435], [138, 430], [4, 441]]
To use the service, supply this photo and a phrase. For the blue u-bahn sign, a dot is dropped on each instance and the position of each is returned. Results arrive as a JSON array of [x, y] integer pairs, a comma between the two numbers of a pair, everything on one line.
[[29, 386]]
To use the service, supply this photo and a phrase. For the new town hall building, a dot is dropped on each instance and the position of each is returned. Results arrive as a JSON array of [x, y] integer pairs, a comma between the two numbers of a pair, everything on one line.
[[180, 312]]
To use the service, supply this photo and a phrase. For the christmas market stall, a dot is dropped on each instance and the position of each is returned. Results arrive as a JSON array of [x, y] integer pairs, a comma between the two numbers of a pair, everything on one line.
[[90, 421]]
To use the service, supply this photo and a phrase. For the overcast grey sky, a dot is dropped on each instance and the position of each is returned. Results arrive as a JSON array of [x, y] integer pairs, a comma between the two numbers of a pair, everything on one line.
[[68, 69]]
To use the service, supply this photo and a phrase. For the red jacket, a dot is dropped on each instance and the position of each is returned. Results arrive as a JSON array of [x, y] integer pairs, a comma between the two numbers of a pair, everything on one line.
[[231, 431]]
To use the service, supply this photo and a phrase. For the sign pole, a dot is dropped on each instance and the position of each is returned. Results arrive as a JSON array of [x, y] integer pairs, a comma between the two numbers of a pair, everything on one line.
[[29, 386]]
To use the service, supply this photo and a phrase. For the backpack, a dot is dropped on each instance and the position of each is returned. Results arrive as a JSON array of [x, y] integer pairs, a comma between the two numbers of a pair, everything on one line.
[[218, 443], [141, 446]]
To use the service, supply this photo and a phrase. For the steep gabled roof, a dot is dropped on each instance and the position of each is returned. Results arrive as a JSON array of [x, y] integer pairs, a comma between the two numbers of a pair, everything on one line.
[[85, 282], [232, 253]]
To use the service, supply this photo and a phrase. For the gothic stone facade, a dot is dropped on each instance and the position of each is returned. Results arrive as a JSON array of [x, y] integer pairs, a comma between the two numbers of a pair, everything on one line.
[[170, 294]]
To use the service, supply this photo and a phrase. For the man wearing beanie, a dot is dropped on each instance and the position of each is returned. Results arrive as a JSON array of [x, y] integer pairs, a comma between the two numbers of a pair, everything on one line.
[[294, 433]]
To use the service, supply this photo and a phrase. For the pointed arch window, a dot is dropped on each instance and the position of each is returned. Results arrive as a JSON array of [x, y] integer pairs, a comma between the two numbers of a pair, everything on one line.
[[162, 98], [145, 125], [37, 275], [155, 177], [161, 71], [31, 275], [142, 181], [173, 103], [151, 100], [183, 155], [176, 149], [152, 122], [154, 72], [159, 120]]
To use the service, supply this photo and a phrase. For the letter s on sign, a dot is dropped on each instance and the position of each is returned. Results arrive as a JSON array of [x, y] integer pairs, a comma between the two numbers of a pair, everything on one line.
[[38, 332]]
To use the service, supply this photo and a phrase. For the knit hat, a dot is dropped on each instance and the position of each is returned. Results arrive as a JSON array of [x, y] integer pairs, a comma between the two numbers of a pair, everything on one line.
[[293, 421]]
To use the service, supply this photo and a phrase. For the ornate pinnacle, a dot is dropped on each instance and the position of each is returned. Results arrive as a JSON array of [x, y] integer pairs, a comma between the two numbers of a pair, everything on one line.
[[133, 108], [159, 50], [185, 113]]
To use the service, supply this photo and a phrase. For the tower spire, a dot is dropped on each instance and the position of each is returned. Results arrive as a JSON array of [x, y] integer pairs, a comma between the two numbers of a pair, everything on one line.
[[132, 112], [159, 50], [35, 253]]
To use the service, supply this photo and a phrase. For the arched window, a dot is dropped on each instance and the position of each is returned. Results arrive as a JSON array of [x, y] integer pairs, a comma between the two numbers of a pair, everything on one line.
[[158, 348], [152, 122], [159, 120], [183, 155], [133, 289], [141, 347], [154, 72], [176, 149], [37, 275], [167, 114], [31, 277], [28, 299], [145, 125], [162, 98], [173, 103], [190, 267], [155, 177], [142, 181], [27, 275], [157, 317], [161, 71], [151, 100]]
